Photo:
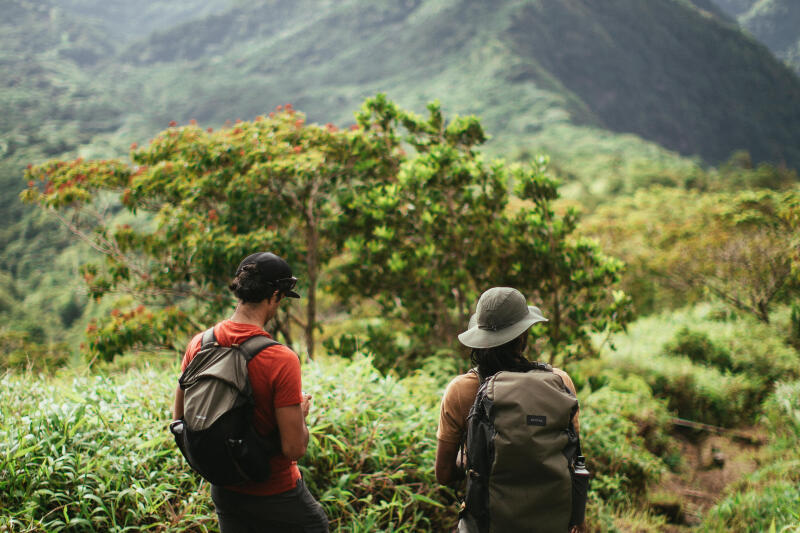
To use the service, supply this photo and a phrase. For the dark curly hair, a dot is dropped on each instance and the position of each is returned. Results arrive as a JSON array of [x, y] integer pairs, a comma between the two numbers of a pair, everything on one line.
[[508, 356], [249, 285]]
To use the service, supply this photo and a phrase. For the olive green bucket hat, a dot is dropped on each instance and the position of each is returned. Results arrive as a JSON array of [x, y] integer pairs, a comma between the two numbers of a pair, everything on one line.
[[502, 315]]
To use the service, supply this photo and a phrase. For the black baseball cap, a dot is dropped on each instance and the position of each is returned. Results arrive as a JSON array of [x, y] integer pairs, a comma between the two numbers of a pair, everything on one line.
[[273, 269]]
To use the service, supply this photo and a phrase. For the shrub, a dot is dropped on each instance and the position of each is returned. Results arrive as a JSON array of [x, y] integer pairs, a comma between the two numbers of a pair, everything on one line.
[[698, 347], [615, 432], [93, 453], [750, 356], [371, 464], [782, 411]]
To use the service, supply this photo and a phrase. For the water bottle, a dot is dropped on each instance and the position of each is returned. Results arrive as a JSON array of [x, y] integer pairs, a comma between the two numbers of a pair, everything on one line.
[[580, 489]]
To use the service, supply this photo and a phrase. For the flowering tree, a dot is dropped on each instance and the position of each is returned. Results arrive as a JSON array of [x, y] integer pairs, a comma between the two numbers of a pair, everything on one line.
[[421, 233], [207, 199]]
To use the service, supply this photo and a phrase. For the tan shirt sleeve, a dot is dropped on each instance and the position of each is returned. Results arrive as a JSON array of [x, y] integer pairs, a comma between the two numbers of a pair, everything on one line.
[[571, 386], [456, 402]]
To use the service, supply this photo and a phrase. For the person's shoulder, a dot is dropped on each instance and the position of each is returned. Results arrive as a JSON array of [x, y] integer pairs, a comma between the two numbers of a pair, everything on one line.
[[558, 372], [565, 378], [466, 381], [279, 352], [466, 377]]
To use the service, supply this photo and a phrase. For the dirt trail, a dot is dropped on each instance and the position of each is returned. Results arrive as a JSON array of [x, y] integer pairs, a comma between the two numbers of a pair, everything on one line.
[[709, 462]]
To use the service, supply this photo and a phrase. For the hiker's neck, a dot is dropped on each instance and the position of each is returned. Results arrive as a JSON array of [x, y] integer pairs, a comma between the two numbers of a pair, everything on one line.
[[255, 314]]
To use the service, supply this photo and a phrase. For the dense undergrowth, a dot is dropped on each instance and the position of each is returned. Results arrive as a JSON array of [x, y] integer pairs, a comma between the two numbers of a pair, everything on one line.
[[92, 453]]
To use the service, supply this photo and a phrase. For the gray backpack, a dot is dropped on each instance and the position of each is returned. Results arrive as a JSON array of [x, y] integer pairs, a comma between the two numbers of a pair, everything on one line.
[[216, 434], [521, 450]]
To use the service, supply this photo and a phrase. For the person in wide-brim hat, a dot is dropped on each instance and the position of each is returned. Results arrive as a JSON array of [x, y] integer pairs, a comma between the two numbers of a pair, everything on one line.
[[497, 334], [501, 316]]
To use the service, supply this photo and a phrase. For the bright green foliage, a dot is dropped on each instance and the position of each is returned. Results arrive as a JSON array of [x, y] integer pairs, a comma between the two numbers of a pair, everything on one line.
[[741, 247], [94, 453], [431, 230], [428, 242], [207, 200], [699, 348], [18, 349], [371, 463], [623, 430], [782, 409], [656, 349]]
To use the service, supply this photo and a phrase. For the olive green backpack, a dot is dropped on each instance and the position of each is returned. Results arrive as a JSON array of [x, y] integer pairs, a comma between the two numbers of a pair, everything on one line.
[[521, 449]]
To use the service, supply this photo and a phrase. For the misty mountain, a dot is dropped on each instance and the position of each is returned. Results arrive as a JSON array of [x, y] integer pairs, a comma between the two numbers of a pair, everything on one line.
[[663, 69], [775, 23]]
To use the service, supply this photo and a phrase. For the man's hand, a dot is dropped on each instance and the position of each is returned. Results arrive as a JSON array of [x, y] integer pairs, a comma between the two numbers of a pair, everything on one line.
[[305, 405]]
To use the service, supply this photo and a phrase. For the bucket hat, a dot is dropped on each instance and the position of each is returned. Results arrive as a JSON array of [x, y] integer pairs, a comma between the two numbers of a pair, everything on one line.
[[502, 314]]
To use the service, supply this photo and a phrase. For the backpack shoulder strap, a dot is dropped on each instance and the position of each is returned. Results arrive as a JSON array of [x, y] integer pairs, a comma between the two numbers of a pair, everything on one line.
[[253, 346], [208, 338]]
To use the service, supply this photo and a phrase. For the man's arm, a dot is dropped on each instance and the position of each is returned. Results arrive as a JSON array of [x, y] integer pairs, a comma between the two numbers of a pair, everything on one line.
[[177, 407], [292, 428]]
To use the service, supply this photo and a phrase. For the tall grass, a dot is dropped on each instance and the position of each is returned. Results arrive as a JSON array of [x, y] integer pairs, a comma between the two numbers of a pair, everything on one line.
[[93, 453], [708, 366]]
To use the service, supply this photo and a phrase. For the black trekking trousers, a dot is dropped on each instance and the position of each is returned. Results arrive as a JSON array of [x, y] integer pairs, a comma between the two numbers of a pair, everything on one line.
[[293, 511]]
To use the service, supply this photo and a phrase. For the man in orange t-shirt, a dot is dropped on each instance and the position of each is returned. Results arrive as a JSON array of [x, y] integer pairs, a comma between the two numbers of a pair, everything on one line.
[[282, 502]]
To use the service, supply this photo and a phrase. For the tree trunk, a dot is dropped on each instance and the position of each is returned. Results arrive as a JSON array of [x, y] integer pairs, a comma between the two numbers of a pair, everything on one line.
[[312, 268]]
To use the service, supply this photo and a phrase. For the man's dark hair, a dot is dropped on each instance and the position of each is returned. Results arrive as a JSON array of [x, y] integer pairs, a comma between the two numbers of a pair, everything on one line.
[[249, 285], [508, 356]]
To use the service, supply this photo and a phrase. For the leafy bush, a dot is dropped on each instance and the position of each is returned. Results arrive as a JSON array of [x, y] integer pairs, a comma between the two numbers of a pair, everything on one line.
[[756, 353], [782, 411], [93, 453], [371, 464], [698, 347], [619, 427]]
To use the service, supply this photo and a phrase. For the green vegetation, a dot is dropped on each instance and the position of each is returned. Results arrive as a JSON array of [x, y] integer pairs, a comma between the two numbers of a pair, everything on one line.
[[394, 226], [93, 451], [713, 371], [79, 80], [773, 22], [740, 247], [434, 222], [770, 497]]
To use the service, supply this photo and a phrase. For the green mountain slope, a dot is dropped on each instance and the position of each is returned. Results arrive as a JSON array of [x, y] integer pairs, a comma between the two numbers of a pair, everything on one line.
[[776, 23], [618, 92], [127, 20], [662, 69]]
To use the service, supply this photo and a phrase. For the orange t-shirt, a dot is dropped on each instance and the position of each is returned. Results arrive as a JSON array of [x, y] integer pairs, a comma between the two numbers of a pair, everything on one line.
[[275, 378], [459, 397]]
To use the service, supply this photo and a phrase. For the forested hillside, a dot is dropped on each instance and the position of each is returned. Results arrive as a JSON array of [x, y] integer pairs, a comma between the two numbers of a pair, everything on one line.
[[612, 93], [775, 23]]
